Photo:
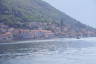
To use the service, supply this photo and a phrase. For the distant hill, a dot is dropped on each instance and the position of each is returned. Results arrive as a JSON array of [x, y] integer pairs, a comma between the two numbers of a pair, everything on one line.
[[37, 14]]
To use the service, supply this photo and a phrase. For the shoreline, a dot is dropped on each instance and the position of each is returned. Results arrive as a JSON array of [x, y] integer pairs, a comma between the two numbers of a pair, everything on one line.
[[44, 40]]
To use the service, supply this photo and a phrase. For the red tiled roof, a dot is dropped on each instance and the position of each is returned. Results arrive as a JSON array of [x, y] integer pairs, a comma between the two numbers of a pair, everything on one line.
[[6, 34]]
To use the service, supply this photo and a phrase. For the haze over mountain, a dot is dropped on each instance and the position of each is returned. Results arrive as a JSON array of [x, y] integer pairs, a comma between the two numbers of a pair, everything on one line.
[[39, 15], [82, 10]]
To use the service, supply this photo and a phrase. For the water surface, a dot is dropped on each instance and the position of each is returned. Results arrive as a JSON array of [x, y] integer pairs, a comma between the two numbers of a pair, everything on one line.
[[58, 51]]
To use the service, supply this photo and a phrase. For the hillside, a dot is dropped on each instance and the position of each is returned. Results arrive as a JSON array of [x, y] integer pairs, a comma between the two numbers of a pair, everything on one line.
[[39, 15]]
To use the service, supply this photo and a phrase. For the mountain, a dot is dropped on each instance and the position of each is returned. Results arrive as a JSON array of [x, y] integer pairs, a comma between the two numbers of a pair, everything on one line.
[[36, 15]]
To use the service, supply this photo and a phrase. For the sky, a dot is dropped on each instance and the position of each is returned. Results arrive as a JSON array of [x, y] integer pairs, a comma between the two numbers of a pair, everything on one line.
[[82, 10]]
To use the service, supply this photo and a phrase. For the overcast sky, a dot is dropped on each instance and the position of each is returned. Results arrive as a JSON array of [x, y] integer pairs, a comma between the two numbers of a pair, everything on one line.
[[82, 10]]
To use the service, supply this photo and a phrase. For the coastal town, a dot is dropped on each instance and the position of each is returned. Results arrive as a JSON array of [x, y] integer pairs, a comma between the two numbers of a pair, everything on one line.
[[29, 21], [8, 34], [38, 31]]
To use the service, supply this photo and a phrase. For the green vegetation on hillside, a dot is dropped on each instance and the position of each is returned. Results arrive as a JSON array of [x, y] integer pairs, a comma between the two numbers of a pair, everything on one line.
[[20, 13]]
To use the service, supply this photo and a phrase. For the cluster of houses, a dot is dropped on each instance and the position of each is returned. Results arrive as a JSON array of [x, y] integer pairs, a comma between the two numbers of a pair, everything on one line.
[[33, 34], [24, 34], [37, 32], [40, 31]]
